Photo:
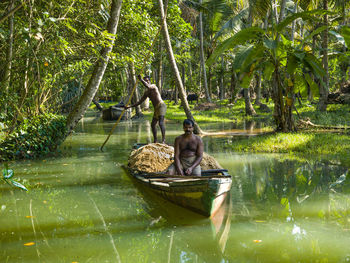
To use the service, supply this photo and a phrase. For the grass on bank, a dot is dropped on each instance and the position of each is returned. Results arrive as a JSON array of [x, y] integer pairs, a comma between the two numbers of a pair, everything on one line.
[[298, 145], [304, 142], [336, 115], [311, 142], [223, 112]]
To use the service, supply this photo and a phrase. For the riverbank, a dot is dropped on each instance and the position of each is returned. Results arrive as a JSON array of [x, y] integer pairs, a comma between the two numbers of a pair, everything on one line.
[[223, 111], [304, 142], [33, 138], [300, 144]]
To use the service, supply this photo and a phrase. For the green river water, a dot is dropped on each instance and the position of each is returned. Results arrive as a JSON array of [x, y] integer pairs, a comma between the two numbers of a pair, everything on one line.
[[82, 207]]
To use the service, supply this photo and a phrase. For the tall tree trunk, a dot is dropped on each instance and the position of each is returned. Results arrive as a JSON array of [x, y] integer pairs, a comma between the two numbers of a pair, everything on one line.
[[124, 84], [278, 102], [176, 94], [282, 113], [312, 75], [190, 73], [344, 66], [274, 10], [136, 95], [322, 104], [258, 89], [222, 74], [160, 66], [282, 10], [295, 10], [202, 59], [100, 66], [209, 83], [200, 79], [183, 76], [233, 85], [24, 91], [249, 109], [9, 54], [174, 68]]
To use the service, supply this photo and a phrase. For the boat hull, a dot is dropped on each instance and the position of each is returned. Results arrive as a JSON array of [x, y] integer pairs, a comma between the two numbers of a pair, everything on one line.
[[203, 195]]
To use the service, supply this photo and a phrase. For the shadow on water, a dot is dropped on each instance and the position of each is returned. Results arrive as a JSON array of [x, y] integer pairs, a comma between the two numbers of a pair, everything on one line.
[[82, 207]]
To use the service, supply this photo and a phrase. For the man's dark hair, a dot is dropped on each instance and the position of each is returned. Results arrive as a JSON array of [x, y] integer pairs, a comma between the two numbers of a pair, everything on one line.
[[188, 122], [147, 77]]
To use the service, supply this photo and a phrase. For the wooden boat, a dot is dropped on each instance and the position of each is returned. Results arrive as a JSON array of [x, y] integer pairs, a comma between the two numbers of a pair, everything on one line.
[[202, 194], [113, 113]]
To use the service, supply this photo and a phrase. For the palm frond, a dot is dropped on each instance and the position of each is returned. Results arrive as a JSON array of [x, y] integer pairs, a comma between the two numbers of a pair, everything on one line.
[[260, 8], [345, 32], [304, 4], [234, 24], [314, 16], [239, 38]]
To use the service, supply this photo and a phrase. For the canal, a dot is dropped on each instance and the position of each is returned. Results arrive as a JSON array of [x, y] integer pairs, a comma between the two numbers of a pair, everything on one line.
[[82, 207]]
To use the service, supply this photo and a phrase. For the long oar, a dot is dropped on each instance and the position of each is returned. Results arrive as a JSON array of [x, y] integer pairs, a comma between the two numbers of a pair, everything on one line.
[[134, 88]]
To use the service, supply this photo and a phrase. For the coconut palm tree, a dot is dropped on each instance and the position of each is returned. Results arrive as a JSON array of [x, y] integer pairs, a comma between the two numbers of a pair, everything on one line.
[[174, 67], [89, 93], [280, 61]]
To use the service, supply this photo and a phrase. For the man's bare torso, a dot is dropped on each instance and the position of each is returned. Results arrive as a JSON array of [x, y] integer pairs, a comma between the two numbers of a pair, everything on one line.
[[188, 145], [154, 95]]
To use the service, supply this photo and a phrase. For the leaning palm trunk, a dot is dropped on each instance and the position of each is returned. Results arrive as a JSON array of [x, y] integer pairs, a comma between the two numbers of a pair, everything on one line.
[[174, 67], [79, 109]]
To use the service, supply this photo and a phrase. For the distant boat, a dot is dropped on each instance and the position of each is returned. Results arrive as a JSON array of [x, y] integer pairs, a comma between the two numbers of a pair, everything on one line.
[[201, 194], [113, 113]]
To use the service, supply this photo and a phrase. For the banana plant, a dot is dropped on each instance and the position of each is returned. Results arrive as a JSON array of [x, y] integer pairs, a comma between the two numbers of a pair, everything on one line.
[[7, 175], [282, 63]]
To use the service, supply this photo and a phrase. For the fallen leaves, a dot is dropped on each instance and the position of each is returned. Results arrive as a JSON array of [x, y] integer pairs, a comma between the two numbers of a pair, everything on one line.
[[29, 244]]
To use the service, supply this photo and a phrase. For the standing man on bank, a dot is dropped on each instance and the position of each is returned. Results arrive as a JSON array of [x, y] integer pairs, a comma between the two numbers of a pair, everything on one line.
[[159, 106], [188, 152]]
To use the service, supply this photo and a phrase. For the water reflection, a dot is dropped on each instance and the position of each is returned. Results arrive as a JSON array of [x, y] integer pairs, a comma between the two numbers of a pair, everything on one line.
[[293, 204], [185, 244], [82, 207]]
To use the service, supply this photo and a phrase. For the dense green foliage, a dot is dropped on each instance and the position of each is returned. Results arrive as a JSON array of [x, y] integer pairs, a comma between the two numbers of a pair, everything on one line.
[[33, 137], [57, 43], [48, 50]]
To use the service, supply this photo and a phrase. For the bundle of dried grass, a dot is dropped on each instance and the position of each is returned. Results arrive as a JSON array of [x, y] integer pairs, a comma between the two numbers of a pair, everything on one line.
[[153, 157], [157, 157]]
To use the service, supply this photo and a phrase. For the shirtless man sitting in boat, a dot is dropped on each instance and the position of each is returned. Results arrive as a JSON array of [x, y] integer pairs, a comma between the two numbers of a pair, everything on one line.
[[188, 152], [159, 106]]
